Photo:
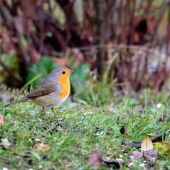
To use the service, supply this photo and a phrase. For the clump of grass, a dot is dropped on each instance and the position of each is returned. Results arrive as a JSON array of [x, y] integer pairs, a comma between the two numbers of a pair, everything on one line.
[[97, 92]]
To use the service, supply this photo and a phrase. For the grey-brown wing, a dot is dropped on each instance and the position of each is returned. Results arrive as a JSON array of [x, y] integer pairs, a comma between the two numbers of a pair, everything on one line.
[[41, 91]]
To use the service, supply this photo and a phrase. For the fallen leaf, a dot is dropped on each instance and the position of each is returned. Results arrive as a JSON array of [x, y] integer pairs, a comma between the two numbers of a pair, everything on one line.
[[137, 155], [146, 145], [1, 120], [137, 144], [163, 148], [41, 146], [95, 159]]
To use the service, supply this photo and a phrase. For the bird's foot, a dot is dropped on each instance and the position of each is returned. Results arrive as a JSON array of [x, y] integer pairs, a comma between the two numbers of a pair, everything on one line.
[[46, 115], [55, 114]]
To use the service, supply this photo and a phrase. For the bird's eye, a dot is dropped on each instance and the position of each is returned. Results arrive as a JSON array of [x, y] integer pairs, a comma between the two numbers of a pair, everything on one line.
[[63, 72]]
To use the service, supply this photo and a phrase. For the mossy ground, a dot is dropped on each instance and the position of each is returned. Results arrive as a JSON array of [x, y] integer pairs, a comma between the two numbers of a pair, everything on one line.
[[76, 132]]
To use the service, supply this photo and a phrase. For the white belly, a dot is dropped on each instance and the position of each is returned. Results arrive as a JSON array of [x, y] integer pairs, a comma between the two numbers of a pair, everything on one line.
[[49, 100]]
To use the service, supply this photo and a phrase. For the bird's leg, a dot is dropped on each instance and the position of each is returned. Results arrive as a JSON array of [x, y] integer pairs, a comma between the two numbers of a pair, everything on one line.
[[55, 115], [44, 109], [52, 109]]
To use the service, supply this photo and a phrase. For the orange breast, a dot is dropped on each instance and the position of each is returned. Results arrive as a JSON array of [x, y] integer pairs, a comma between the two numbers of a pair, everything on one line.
[[64, 87]]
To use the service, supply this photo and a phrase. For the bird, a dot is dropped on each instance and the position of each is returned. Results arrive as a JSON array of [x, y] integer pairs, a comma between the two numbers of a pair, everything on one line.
[[54, 89]]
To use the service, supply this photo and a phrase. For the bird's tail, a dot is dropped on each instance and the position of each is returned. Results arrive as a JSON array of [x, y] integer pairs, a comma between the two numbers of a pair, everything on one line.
[[23, 99]]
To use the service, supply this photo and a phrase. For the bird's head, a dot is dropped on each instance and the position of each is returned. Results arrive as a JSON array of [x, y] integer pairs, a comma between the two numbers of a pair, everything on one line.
[[62, 73]]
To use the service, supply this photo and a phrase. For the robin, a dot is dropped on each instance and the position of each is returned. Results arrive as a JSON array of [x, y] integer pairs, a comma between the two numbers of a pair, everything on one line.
[[54, 90]]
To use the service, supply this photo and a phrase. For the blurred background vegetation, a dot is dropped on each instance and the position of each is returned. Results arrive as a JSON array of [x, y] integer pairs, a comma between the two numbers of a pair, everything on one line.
[[113, 42]]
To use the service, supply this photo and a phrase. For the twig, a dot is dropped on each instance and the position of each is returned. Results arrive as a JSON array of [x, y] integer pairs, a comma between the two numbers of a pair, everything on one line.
[[117, 47], [159, 19], [110, 5], [99, 34]]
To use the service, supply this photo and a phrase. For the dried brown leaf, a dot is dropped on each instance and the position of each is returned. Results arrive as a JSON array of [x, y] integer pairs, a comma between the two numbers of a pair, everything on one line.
[[146, 145], [137, 155]]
